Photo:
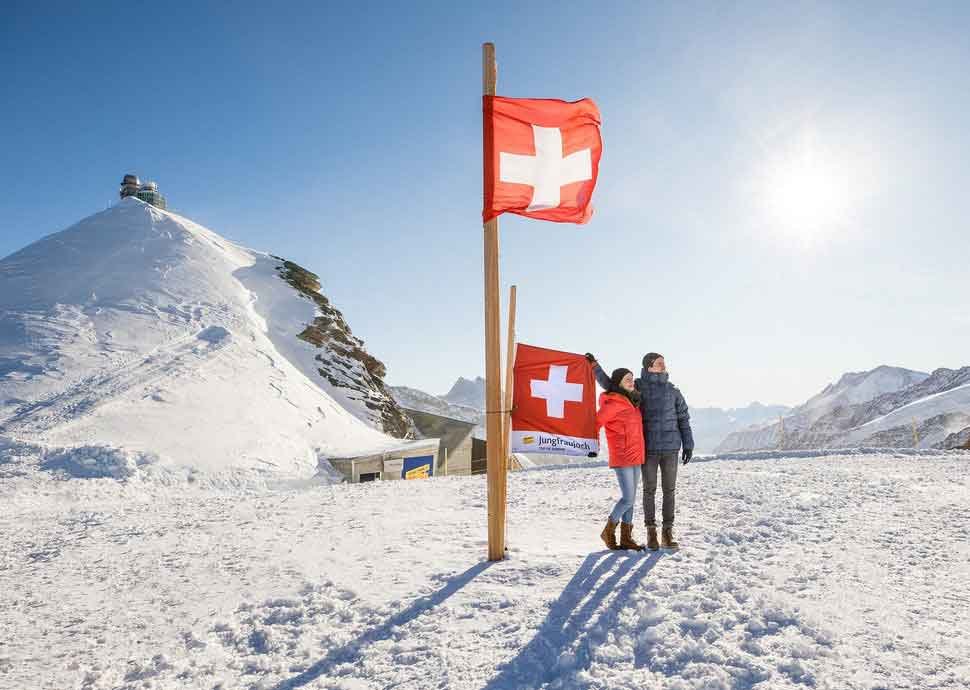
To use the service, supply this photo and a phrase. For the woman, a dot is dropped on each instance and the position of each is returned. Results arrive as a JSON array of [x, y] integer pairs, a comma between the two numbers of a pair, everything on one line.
[[619, 413]]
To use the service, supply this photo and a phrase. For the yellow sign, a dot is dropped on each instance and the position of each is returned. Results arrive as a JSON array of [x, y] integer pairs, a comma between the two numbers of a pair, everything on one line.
[[419, 467], [423, 472]]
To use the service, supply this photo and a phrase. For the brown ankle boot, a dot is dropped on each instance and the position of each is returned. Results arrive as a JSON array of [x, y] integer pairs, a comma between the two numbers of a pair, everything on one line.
[[626, 538], [652, 542], [608, 535], [667, 539]]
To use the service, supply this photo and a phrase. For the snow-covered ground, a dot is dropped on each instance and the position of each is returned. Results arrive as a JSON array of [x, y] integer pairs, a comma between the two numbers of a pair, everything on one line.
[[838, 571]]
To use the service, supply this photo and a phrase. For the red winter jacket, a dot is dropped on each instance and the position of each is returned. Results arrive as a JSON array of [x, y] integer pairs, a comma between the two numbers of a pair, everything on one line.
[[624, 429]]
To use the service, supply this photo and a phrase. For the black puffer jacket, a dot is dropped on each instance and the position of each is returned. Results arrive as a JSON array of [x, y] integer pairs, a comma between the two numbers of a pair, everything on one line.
[[666, 420]]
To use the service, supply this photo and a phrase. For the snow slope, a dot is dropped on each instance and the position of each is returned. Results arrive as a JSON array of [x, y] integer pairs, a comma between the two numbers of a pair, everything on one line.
[[142, 333], [845, 572]]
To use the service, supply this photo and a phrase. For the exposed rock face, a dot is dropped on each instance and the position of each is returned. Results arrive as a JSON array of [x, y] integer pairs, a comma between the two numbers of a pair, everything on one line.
[[342, 359], [927, 432], [959, 439]]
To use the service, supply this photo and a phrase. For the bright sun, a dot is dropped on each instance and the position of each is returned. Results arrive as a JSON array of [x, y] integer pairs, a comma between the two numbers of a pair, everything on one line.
[[807, 192]]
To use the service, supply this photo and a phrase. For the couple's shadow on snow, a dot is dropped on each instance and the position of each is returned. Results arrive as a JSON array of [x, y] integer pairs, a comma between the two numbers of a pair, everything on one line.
[[571, 616], [565, 627]]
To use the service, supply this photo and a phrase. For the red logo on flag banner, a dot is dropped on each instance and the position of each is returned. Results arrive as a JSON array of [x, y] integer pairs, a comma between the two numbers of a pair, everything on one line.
[[541, 158], [554, 403]]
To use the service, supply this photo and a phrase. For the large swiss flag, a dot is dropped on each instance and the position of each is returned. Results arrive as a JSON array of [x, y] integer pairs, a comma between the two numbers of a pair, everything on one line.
[[541, 158], [554, 403]]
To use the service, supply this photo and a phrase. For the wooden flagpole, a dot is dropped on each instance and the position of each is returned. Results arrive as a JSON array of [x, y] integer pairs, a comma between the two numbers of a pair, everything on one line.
[[509, 381], [495, 464]]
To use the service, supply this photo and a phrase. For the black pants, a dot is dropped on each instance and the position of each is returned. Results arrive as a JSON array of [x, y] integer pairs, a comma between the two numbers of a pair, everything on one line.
[[667, 464]]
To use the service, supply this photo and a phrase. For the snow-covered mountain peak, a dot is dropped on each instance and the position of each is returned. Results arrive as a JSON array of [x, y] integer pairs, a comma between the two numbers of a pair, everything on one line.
[[468, 392], [858, 387], [884, 407], [123, 253], [140, 329]]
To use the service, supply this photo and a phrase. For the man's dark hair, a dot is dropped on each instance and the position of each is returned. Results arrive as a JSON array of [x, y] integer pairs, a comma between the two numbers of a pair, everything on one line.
[[649, 358]]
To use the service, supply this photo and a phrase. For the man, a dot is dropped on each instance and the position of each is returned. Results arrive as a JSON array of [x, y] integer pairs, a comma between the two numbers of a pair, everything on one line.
[[666, 426]]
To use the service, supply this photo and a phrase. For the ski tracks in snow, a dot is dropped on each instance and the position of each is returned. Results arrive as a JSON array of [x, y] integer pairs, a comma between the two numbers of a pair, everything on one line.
[[168, 361]]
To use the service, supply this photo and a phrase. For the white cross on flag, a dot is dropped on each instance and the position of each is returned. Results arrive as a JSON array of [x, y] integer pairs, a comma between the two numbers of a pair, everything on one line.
[[554, 403], [541, 158], [556, 391]]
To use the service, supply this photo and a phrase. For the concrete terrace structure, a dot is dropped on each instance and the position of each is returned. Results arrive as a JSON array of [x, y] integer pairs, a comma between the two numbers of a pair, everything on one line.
[[147, 191]]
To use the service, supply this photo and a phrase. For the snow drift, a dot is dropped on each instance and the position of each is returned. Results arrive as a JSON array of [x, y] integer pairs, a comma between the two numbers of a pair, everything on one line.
[[141, 331]]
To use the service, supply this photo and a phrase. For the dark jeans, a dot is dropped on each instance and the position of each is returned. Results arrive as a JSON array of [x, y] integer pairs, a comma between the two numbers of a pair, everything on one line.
[[667, 464]]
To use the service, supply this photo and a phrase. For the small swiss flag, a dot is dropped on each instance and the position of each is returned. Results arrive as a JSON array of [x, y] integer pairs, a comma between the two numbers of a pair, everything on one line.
[[541, 158], [554, 403]]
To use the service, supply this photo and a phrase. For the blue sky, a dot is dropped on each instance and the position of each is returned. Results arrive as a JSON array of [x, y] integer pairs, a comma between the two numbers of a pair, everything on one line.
[[782, 197]]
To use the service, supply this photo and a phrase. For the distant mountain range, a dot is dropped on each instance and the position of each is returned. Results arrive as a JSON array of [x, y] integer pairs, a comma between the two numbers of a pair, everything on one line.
[[711, 425], [466, 401], [468, 393], [414, 399], [885, 407]]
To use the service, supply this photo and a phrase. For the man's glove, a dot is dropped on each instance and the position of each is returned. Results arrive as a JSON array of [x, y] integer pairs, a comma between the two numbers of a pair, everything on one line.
[[591, 358], [688, 454]]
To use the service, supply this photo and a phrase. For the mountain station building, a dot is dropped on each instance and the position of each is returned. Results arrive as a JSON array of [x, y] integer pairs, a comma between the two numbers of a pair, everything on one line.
[[146, 191], [445, 447], [410, 460], [459, 452]]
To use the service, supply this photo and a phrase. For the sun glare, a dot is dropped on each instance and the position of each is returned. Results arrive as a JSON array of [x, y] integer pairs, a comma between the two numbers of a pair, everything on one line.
[[808, 193]]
